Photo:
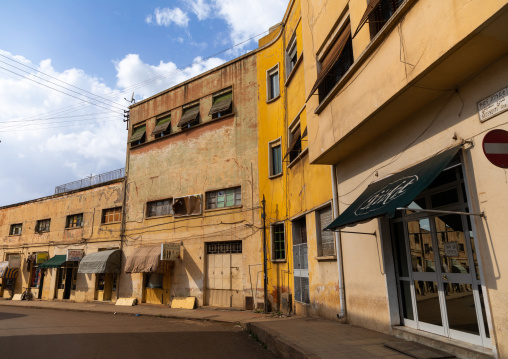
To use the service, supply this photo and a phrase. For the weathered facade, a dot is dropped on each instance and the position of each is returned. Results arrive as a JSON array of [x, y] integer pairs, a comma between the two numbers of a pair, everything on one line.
[[301, 257], [389, 85], [195, 185], [48, 228]]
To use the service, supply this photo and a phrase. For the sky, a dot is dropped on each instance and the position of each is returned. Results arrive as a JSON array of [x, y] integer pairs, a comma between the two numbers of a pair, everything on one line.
[[68, 70]]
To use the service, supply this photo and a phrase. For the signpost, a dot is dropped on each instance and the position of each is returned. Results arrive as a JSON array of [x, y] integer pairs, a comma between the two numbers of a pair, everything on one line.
[[170, 251], [75, 255], [495, 147], [493, 105]]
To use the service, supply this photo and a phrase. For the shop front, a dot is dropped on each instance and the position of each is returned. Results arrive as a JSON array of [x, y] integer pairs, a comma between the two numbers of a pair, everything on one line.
[[154, 264], [105, 265], [36, 276], [430, 240], [65, 273], [8, 276]]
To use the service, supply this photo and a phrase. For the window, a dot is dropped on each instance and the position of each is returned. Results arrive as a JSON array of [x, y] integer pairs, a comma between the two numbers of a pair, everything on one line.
[[295, 140], [111, 215], [272, 83], [222, 104], [187, 206], [190, 116], [275, 157], [138, 135], [42, 225], [381, 13], [291, 56], [299, 231], [224, 198], [75, 220], [326, 239], [16, 229], [162, 207], [162, 127], [334, 64], [278, 241]]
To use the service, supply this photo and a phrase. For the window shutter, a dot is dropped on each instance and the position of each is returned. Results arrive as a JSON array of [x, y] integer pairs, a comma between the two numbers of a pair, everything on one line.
[[370, 8], [190, 114], [138, 132], [331, 57], [296, 137], [162, 125], [221, 103], [327, 238]]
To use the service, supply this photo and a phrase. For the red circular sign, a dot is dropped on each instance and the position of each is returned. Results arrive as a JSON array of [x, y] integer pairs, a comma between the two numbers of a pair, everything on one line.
[[495, 147]]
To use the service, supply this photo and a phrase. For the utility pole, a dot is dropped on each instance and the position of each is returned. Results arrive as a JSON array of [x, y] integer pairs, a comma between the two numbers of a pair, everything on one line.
[[263, 215]]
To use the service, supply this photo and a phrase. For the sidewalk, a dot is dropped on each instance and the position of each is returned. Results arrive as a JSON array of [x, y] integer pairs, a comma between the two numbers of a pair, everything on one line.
[[293, 337]]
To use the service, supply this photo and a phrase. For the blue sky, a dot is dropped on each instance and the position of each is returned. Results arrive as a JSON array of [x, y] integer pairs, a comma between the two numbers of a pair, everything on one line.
[[99, 52]]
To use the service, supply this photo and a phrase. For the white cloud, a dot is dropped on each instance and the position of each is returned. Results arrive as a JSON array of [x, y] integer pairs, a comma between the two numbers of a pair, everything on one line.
[[167, 16], [200, 8], [132, 70]]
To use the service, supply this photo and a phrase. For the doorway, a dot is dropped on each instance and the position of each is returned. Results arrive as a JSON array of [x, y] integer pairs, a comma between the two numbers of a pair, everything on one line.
[[300, 260], [224, 286], [438, 275]]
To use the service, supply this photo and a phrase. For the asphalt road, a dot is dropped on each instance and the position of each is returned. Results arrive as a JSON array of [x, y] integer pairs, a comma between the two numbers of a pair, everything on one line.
[[44, 333]]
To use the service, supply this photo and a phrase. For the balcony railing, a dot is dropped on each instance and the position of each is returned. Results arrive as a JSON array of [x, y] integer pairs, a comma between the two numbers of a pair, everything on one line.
[[91, 181]]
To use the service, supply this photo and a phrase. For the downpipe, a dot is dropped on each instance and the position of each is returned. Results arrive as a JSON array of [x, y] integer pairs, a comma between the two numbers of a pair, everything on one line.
[[338, 245]]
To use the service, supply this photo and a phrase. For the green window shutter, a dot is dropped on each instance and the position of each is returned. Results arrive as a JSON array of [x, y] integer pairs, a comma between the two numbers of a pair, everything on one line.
[[162, 125], [221, 103], [137, 133]]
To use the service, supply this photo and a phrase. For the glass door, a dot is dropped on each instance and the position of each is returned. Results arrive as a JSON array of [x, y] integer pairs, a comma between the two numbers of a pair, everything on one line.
[[438, 273]]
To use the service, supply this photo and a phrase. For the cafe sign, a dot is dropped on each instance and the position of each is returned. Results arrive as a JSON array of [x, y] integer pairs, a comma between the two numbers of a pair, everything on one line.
[[170, 251], [41, 257], [75, 255]]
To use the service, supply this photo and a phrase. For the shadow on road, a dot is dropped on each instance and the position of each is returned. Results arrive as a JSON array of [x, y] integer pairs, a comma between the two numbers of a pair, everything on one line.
[[4, 316]]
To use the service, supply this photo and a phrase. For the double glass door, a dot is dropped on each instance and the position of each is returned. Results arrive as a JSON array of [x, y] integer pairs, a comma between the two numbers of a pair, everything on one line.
[[439, 282]]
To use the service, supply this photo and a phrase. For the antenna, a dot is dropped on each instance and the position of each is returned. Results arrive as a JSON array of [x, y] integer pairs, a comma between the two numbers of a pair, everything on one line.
[[132, 100]]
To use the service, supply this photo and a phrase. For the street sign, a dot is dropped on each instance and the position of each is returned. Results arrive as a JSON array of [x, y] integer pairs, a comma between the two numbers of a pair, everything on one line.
[[170, 251], [495, 147], [75, 255]]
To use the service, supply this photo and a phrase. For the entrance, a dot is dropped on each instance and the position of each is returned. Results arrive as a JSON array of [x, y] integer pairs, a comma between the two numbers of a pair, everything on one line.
[[439, 284], [224, 274], [300, 261]]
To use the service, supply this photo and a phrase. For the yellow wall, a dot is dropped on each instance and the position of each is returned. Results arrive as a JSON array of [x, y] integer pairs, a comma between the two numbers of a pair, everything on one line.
[[301, 188]]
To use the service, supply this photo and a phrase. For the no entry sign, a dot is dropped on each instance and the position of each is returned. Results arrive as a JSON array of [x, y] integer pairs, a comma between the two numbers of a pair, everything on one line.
[[495, 147]]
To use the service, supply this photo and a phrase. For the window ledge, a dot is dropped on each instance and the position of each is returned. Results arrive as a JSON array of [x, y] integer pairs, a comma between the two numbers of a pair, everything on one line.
[[14, 235], [278, 260], [105, 224], [374, 44], [326, 258], [292, 73], [232, 114], [187, 215], [273, 99], [71, 228], [275, 176], [155, 217], [42, 232], [222, 208], [303, 153]]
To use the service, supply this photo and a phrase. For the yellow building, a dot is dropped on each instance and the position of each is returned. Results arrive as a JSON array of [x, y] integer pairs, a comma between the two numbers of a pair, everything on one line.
[[44, 241], [301, 257], [400, 96]]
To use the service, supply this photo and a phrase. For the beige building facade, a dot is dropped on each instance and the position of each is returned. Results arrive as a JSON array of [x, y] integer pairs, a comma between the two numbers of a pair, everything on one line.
[[401, 95]]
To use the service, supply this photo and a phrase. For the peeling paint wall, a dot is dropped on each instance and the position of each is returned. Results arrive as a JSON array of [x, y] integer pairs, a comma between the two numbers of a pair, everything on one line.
[[90, 237], [216, 154]]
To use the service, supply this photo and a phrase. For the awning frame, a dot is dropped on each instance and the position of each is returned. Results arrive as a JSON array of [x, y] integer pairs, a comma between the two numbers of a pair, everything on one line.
[[443, 212]]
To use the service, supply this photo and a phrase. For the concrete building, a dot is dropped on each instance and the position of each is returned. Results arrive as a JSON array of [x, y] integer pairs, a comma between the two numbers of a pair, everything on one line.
[[192, 184], [43, 241], [302, 266], [400, 96]]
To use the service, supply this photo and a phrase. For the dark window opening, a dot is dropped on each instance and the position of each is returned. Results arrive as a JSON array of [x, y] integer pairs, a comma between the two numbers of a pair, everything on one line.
[[381, 14], [42, 225], [75, 220], [276, 160], [16, 229], [337, 71], [278, 241]]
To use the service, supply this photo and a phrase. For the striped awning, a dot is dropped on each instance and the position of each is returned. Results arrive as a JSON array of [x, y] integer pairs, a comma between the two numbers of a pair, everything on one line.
[[101, 262], [6, 272], [146, 260]]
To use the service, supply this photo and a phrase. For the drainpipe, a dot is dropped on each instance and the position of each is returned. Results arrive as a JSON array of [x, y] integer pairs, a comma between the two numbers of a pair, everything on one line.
[[338, 245]]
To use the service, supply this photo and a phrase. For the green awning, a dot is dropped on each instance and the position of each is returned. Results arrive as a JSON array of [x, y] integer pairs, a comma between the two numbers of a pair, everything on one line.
[[137, 133], [54, 262], [221, 103], [162, 125], [398, 190]]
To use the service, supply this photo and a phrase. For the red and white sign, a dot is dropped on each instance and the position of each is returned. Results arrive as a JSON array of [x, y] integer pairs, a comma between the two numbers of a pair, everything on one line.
[[495, 147]]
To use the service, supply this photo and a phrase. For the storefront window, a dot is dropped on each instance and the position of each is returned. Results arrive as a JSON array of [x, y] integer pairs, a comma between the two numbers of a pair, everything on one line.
[[154, 280]]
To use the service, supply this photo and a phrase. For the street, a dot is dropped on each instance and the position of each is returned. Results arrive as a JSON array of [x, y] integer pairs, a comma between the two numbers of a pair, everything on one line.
[[27, 332]]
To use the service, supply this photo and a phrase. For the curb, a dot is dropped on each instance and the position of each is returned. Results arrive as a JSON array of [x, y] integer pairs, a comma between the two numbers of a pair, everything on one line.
[[243, 324], [277, 343]]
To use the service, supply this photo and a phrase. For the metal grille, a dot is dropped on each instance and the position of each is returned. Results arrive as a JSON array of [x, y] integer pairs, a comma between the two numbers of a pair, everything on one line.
[[300, 260], [91, 181], [382, 14], [224, 247]]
